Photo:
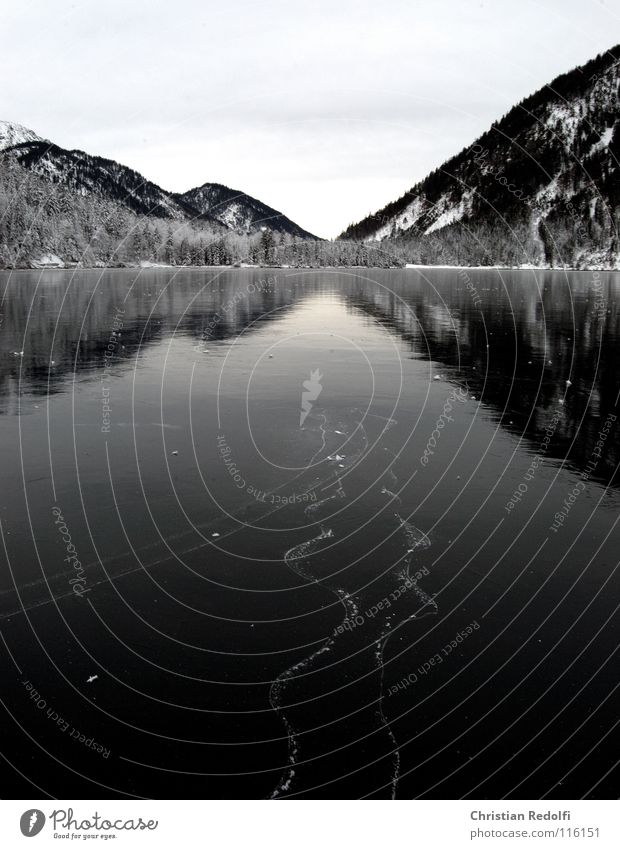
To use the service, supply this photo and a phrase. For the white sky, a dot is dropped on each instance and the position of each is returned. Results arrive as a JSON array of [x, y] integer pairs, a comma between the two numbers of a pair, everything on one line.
[[325, 110]]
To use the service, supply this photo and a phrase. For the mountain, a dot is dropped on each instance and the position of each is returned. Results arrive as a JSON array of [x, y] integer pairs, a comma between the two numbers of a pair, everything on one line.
[[63, 207], [101, 178], [240, 212], [12, 134], [220, 208], [542, 185]]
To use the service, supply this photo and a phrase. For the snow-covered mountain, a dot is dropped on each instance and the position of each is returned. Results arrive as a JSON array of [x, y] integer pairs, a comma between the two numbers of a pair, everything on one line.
[[238, 211], [98, 177], [221, 208], [12, 134], [541, 185]]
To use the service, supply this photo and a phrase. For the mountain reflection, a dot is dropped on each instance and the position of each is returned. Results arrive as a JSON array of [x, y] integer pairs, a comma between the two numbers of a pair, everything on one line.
[[513, 337]]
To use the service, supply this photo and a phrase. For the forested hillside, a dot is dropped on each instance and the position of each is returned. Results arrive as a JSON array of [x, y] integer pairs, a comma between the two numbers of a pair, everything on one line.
[[541, 186], [39, 217]]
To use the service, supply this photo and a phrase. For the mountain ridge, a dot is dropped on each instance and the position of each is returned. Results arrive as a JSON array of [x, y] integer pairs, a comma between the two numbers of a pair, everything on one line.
[[12, 134], [237, 209], [108, 179], [540, 187], [547, 168]]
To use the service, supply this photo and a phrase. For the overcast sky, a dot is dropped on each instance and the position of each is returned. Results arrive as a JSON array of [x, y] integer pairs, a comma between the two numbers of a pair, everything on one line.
[[325, 109]]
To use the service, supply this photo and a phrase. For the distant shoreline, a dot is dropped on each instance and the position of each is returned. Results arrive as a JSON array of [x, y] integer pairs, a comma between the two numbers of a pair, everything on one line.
[[246, 266]]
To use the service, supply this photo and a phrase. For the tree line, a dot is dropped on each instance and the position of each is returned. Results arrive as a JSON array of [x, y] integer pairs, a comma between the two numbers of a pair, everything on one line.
[[39, 217]]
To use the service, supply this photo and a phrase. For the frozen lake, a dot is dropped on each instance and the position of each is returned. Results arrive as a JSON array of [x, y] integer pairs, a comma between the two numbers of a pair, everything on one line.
[[316, 533]]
